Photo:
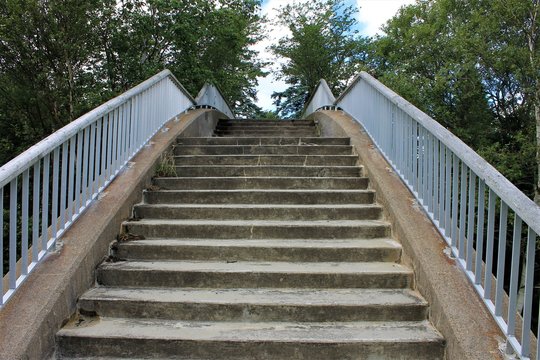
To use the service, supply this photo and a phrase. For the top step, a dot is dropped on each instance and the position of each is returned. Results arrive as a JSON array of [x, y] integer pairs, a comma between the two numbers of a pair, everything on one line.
[[265, 122]]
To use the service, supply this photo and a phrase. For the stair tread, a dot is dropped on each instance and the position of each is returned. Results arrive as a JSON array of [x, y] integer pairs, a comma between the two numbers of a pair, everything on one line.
[[337, 223], [264, 206], [314, 191], [285, 332], [271, 243], [263, 296], [280, 267]]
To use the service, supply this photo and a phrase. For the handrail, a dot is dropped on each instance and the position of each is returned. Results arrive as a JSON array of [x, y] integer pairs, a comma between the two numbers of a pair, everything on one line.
[[322, 96], [460, 192], [211, 95], [48, 186]]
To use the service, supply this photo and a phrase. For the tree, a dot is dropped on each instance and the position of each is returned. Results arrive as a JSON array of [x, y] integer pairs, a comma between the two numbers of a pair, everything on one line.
[[47, 50], [323, 43], [466, 64], [60, 58]]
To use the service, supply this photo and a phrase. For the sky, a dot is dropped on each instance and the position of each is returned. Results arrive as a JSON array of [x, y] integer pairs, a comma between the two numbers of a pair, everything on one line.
[[371, 16]]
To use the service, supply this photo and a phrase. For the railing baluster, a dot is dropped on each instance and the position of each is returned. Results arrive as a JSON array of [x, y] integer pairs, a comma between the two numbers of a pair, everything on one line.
[[45, 203], [55, 179], [63, 185], [529, 289], [99, 161], [35, 213], [110, 136], [455, 197], [71, 211], [499, 293], [13, 234], [442, 214], [514, 277], [448, 194], [78, 173], [436, 213], [480, 232], [471, 216], [86, 150], [489, 244], [24, 222], [462, 209], [90, 188]]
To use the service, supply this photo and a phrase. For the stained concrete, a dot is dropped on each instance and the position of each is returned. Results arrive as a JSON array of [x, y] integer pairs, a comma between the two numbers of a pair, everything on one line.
[[273, 340], [30, 320], [455, 307]]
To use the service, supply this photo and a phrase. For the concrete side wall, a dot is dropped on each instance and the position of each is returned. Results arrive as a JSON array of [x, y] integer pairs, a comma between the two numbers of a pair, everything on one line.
[[455, 308], [30, 320]]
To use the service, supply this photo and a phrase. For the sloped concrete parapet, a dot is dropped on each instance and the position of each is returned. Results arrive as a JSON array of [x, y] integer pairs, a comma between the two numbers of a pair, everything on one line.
[[29, 322], [455, 308]]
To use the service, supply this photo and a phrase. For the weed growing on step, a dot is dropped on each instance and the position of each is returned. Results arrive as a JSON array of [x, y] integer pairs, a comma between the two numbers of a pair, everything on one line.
[[166, 166]]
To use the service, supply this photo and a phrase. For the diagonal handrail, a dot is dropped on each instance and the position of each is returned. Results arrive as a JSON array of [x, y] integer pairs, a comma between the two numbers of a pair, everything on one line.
[[47, 187], [462, 194]]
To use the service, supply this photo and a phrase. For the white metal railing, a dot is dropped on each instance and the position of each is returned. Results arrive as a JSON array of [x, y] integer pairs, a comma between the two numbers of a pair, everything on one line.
[[211, 96], [322, 96], [43, 190], [452, 183]]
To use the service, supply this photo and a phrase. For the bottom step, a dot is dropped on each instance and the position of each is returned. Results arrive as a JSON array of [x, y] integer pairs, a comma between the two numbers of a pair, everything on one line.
[[131, 338]]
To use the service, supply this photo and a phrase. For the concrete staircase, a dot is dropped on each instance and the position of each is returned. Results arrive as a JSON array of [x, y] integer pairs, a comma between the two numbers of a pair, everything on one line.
[[267, 245]]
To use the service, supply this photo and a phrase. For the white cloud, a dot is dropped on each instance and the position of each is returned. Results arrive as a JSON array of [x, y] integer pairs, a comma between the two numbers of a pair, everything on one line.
[[372, 14], [375, 13]]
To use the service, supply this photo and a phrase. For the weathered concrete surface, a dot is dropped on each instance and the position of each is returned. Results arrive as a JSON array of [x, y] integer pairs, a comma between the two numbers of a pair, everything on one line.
[[455, 308], [301, 250], [30, 320], [257, 340], [302, 305]]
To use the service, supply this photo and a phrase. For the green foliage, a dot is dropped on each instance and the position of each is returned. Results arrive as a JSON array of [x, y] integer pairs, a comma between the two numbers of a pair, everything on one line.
[[61, 58], [469, 65], [166, 166], [323, 43]]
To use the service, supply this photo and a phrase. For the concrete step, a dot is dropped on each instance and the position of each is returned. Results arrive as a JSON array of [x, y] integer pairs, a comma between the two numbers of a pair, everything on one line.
[[263, 149], [250, 274], [267, 170], [267, 122], [303, 250], [277, 182], [258, 211], [258, 340], [258, 229], [283, 132], [301, 160], [301, 305], [260, 196], [264, 127], [311, 141]]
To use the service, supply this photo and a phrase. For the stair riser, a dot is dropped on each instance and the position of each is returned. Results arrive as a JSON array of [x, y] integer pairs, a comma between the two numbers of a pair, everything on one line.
[[237, 253], [265, 123], [269, 127], [277, 197], [303, 171], [308, 141], [267, 133], [249, 350], [252, 312], [303, 160], [252, 213], [261, 183], [263, 150], [257, 232], [200, 279]]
